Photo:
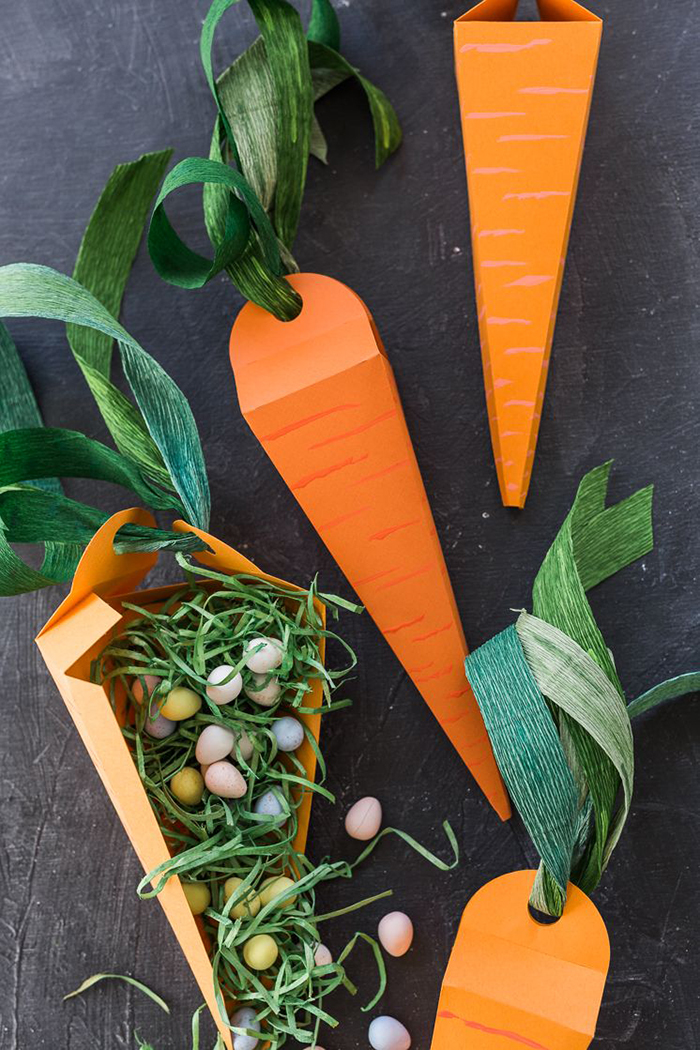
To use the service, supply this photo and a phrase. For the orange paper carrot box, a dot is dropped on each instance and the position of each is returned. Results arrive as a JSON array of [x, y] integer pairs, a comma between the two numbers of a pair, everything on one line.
[[525, 94], [73, 638], [319, 394]]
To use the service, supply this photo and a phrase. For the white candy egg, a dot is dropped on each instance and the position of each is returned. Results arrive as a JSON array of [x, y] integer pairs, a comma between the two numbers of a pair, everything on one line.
[[214, 743], [222, 778], [386, 1033], [289, 733], [396, 933], [364, 819], [223, 694], [265, 654], [322, 955], [245, 745], [245, 1018], [159, 727], [265, 695], [271, 804]]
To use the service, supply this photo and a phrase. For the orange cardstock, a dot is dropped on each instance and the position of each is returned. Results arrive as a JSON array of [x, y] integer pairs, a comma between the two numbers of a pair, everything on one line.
[[319, 394], [525, 95], [512, 983], [73, 637]]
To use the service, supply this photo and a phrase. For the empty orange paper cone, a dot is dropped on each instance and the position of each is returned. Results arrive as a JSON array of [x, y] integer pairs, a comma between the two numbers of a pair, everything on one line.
[[512, 983], [319, 394], [73, 637], [525, 94]]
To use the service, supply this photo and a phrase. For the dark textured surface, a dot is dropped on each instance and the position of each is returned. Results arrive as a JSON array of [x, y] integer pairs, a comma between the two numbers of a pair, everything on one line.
[[86, 84]]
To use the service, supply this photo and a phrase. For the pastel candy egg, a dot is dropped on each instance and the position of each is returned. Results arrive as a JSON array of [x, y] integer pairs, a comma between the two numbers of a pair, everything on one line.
[[245, 1018], [270, 804], [181, 703], [260, 952], [289, 733], [322, 955], [159, 726], [386, 1033], [224, 779], [220, 691], [188, 786], [265, 654], [198, 896], [137, 688], [245, 745], [272, 888], [364, 819], [396, 933], [265, 695], [214, 743], [247, 907]]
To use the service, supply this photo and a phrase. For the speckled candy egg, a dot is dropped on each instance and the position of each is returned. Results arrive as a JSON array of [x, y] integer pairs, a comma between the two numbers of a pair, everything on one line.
[[289, 733], [224, 693], [137, 688], [270, 804], [322, 955], [396, 933], [364, 819], [222, 778], [386, 1033], [265, 654], [265, 695], [158, 726], [245, 1018], [181, 703], [214, 743], [245, 745]]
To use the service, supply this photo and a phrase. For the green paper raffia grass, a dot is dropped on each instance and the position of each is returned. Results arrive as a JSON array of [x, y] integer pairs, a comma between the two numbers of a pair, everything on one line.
[[202, 625]]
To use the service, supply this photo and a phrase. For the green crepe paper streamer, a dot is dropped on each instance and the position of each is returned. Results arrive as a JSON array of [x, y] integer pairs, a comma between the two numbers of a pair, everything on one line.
[[671, 689], [27, 290], [105, 257], [324, 27]]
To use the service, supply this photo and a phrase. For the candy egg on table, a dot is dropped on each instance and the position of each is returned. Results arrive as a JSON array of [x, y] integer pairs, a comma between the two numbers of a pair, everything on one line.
[[396, 933], [224, 779], [260, 952], [198, 896], [245, 1018], [270, 804], [181, 703], [221, 691], [386, 1033], [274, 887], [151, 680], [264, 694], [245, 745], [364, 819], [158, 726], [265, 654], [249, 906], [289, 733], [214, 743], [187, 786], [322, 955]]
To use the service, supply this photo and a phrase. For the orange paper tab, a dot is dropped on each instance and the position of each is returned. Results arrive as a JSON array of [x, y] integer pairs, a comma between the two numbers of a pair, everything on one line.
[[525, 94], [73, 637], [512, 983], [319, 394]]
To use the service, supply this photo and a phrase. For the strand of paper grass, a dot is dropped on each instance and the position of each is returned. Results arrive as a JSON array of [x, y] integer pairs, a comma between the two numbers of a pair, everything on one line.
[[195, 628]]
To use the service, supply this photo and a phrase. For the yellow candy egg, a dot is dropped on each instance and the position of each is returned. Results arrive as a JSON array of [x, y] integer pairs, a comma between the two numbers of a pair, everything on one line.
[[248, 907], [188, 786], [272, 888], [260, 952], [181, 703], [198, 896]]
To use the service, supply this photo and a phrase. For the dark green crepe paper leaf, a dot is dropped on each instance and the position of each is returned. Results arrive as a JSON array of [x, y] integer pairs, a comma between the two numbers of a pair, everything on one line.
[[671, 689], [89, 982], [27, 290], [109, 246], [387, 130], [324, 27], [18, 578], [527, 748]]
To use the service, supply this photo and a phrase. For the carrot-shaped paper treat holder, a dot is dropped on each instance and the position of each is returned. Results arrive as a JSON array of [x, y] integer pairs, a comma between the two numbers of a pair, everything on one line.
[[525, 94], [319, 394]]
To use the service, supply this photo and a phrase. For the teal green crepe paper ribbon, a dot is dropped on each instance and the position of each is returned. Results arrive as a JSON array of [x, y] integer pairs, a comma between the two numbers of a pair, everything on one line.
[[671, 689], [324, 27]]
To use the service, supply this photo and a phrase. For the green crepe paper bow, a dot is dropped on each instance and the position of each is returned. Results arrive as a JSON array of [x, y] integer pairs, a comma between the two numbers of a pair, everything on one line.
[[553, 704], [159, 455], [251, 210]]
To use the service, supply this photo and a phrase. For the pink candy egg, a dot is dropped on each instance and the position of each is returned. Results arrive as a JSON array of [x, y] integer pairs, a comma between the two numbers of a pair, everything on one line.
[[214, 743], [396, 933], [222, 778], [137, 689], [364, 819]]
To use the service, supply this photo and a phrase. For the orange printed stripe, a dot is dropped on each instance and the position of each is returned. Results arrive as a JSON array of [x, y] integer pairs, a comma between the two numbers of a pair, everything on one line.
[[402, 626], [440, 630], [437, 674], [342, 518], [356, 430], [403, 579], [305, 422], [383, 533], [503, 1032], [371, 579], [318, 474], [381, 473]]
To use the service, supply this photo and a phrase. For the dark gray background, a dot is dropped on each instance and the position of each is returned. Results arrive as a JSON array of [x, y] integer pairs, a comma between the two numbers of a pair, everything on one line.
[[86, 84]]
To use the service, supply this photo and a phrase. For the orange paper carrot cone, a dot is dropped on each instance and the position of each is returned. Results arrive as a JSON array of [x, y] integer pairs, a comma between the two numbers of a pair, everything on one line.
[[319, 394], [525, 94], [512, 983], [73, 637]]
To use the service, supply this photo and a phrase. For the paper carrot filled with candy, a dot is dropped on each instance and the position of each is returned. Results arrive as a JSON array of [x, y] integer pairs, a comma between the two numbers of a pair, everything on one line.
[[525, 93], [319, 394]]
